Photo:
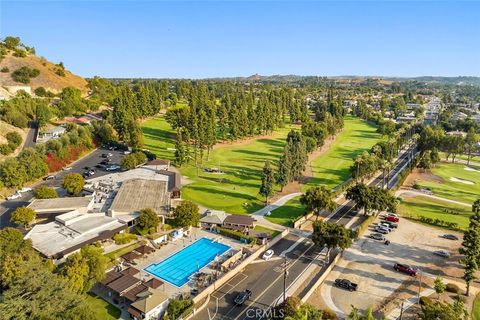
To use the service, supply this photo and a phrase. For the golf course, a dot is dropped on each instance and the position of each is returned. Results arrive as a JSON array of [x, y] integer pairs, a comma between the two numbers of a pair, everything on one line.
[[454, 181], [235, 188]]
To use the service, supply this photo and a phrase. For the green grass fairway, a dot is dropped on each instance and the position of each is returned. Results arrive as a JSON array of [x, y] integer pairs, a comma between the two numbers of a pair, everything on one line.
[[236, 190], [332, 167], [287, 213], [458, 191], [101, 308], [476, 308], [432, 208], [159, 137]]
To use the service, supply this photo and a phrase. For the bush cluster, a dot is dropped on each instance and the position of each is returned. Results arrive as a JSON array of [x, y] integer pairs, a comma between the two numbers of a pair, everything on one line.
[[133, 160], [236, 235], [439, 222], [124, 238], [24, 74], [14, 139], [452, 287]]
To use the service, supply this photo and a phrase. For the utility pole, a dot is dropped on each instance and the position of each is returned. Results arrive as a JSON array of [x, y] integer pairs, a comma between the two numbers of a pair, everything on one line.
[[285, 274], [401, 311]]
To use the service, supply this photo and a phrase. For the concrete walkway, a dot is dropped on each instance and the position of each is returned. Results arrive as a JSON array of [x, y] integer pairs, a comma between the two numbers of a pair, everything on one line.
[[277, 204], [395, 313], [418, 193]]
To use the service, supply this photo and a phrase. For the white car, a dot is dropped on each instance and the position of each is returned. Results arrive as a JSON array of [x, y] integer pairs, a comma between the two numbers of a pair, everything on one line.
[[14, 196], [268, 254], [25, 189], [67, 168], [126, 152]]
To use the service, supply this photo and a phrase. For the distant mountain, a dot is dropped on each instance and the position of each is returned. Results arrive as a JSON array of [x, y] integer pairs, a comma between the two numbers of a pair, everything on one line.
[[53, 77]]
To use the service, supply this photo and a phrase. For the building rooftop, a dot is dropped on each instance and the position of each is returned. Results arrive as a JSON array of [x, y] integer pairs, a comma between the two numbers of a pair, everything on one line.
[[137, 194], [123, 283], [151, 299], [239, 219], [58, 205], [71, 231], [214, 217]]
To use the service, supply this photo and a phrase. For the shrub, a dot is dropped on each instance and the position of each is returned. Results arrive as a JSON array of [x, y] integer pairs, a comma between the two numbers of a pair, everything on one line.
[[45, 192], [20, 53], [425, 300], [178, 309], [60, 72], [41, 92], [24, 74], [5, 70], [236, 235], [452, 287], [14, 139], [124, 238], [6, 149], [328, 314]]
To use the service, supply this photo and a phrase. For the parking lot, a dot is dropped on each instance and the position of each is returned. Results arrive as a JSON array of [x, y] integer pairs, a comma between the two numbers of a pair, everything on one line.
[[369, 263]]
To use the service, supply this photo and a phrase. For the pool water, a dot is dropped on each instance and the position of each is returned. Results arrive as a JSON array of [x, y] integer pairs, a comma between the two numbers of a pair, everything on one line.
[[178, 268]]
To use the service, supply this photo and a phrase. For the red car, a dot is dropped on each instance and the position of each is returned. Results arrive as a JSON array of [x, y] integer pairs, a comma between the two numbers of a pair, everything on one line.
[[392, 219], [405, 269]]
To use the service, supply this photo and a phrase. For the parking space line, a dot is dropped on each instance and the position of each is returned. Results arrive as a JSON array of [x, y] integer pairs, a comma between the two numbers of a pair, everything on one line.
[[228, 283]]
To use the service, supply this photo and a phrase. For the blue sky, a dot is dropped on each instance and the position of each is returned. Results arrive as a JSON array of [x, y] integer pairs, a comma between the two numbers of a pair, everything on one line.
[[196, 39]]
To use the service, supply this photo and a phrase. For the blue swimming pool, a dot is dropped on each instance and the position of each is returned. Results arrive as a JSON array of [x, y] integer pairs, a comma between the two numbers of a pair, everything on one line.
[[177, 268]]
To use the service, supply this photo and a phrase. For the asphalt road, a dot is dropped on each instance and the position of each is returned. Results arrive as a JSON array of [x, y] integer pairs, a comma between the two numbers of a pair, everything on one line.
[[346, 212], [30, 137], [264, 279], [91, 160]]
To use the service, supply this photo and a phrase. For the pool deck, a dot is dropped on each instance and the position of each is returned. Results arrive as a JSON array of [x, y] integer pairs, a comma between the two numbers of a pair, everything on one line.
[[173, 247]]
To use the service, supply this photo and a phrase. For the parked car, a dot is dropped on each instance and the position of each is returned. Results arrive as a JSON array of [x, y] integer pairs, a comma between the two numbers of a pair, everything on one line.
[[126, 152], [391, 224], [67, 168], [442, 253], [14, 196], [377, 236], [346, 284], [382, 230], [49, 177], [268, 254], [386, 226], [242, 297], [392, 218], [405, 269], [450, 237], [104, 155], [112, 167], [25, 189]]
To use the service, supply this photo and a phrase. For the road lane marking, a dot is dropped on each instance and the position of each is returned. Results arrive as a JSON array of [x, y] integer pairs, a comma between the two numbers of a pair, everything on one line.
[[271, 285]]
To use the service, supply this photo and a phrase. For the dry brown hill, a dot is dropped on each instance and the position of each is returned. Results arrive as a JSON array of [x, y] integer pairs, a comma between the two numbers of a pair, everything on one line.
[[47, 78]]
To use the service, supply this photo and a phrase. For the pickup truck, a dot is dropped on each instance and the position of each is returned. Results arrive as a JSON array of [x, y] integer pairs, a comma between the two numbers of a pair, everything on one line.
[[405, 269], [242, 297], [346, 284]]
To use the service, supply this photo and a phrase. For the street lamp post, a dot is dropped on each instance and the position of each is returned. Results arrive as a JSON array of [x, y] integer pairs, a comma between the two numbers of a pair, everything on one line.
[[285, 274]]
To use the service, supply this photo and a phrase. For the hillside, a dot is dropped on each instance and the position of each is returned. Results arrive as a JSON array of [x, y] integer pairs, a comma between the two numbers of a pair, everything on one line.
[[47, 77]]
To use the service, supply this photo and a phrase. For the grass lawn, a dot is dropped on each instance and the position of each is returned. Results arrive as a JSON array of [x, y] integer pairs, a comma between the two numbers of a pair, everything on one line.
[[272, 232], [432, 208], [332, 167], [101, 308], [476, 308], [159, 137], [458, 191], [236, 189], [287, 213]]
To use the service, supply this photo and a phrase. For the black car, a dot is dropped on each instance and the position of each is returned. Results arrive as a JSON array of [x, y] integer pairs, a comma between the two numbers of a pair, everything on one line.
[[346, 284], [105, 162], [242, 297], [392, 225], [377, 236], [450, 237]]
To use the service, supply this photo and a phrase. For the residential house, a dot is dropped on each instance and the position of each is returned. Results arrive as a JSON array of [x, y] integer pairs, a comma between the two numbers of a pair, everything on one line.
[[212, 219], [238, 222]]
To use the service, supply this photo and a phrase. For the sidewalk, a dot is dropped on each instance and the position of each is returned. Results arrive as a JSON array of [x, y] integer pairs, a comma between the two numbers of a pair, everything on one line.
[[418, 193]]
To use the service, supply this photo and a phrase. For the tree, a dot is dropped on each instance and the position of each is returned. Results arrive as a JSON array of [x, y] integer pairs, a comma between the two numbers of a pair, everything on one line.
[[471, 246], [11, 42], [23, 216], [44, 192], [360, 193], [317, 199], [76, 272], [187, 214], [148, 219], [97, 263], [73, 183], [266, 187], [181, 151], [439, 286], [13, 173], [471, 141], [129, 162], [283, 172], [443, 310], [331, 235]]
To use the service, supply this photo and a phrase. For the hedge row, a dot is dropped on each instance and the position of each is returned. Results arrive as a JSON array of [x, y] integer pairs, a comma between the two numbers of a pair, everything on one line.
[[439, 222], [236, 235]]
